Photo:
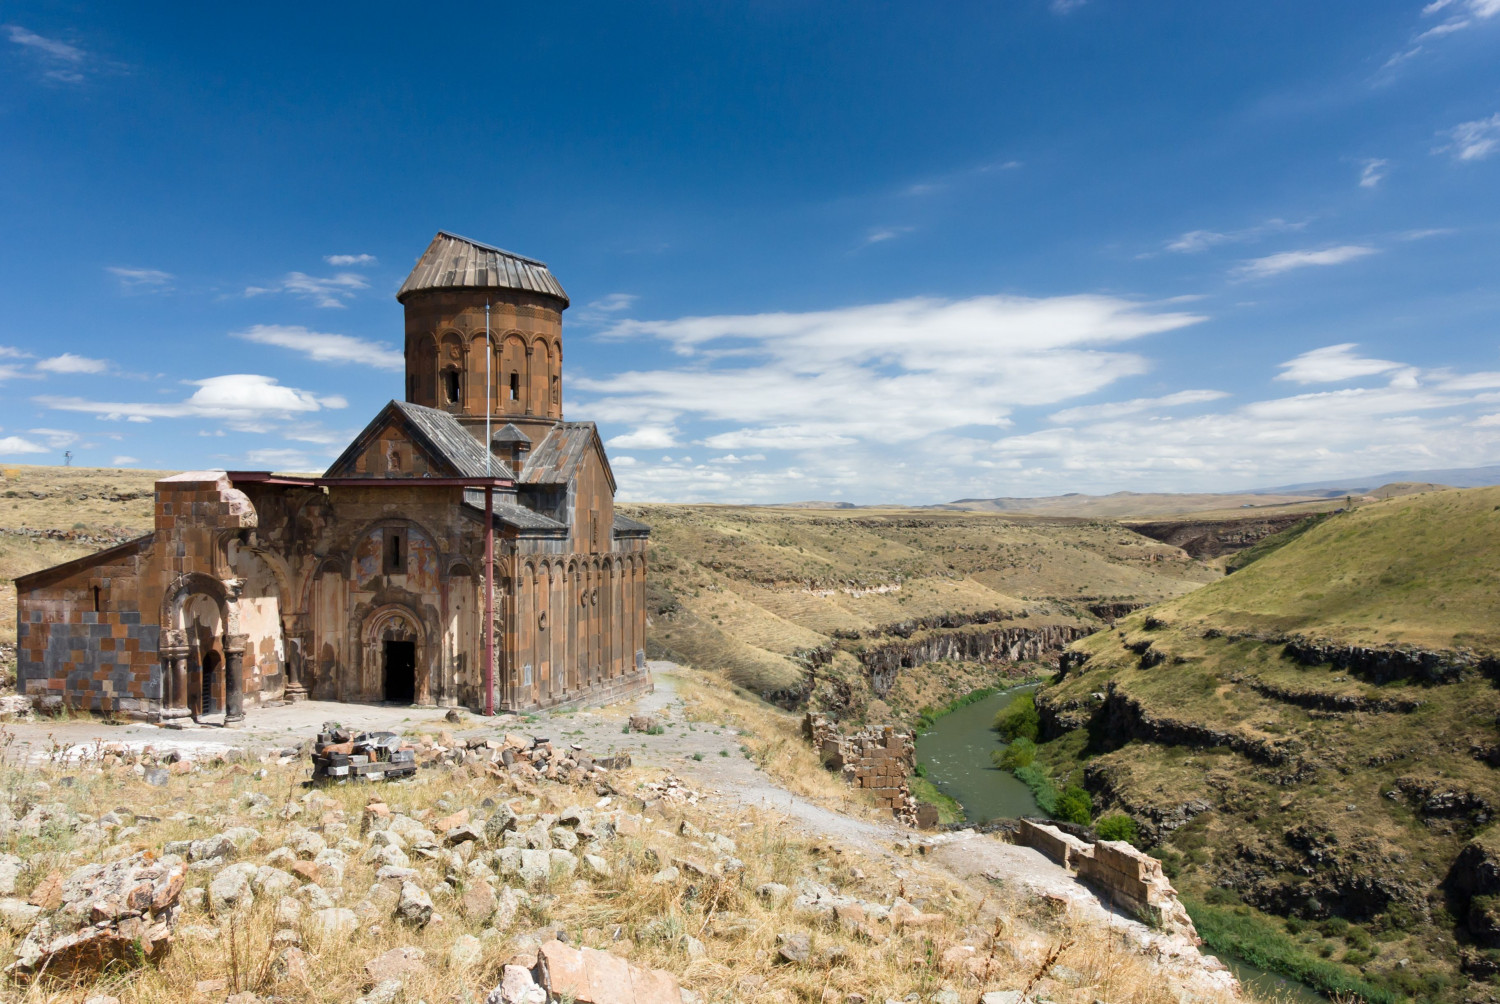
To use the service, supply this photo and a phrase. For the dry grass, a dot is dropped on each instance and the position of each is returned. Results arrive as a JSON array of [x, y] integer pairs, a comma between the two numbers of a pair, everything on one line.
[[628, 913]]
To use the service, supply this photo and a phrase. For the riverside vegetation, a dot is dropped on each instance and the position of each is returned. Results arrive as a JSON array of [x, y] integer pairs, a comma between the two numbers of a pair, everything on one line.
[[1311, 746]]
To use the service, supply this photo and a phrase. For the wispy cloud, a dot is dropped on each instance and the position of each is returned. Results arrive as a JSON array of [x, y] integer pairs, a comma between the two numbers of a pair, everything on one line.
[[1198, 241], [880, 234], [1065, 6], [1473, 140], [59, 61], [123, 461], [326, 348], [350, 259], [1333, 364], [240, 397], [1458, 15], [1286, 261], [57, 439], [323, 291], [1372, 172], [1119, 409], [70, 363], [883, 373], [141, 280]]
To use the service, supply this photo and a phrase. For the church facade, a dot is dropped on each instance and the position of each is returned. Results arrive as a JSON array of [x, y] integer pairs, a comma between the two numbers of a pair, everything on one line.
[[463, 551]]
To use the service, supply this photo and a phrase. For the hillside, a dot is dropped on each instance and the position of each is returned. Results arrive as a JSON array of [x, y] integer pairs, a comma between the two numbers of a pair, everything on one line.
[[1312, 741], [840, 608]]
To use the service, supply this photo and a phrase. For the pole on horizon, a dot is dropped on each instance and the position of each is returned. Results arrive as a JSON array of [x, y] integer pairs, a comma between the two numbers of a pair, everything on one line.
[[489, 530]]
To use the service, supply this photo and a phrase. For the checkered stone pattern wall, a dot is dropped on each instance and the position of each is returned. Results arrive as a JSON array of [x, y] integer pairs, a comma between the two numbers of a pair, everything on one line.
[[84, 659]]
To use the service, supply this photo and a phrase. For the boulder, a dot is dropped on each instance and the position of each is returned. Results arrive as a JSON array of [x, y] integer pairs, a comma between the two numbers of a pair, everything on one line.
[[396, 964], [516, 987], [536, 866], [231, 888], [466, 952], [478, 903], [335, 922], [793, 947], [414, 906], [10, 870]]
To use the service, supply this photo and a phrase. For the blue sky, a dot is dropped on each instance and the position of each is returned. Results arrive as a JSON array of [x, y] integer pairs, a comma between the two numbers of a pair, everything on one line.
[[863, 251]]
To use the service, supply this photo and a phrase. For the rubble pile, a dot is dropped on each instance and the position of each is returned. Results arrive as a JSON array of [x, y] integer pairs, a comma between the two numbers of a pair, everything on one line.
[[99, 913], [369, 756]]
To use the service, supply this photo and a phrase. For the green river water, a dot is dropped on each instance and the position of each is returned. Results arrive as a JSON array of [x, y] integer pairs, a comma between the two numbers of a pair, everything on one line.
[[956, 752]]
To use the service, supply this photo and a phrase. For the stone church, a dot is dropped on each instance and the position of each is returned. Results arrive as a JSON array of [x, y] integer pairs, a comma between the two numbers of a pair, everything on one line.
[[463, 551]]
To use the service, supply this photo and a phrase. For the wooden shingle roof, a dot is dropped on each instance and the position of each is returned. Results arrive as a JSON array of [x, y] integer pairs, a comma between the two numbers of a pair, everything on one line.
[[454, 262]]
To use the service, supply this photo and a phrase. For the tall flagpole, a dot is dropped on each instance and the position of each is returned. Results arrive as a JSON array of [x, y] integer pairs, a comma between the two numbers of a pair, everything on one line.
[[489, 529]]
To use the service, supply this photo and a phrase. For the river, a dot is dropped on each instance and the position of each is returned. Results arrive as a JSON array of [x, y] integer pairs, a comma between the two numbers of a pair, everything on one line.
[[956, 752]]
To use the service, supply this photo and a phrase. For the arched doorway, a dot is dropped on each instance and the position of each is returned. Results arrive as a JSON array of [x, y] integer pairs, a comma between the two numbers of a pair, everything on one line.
[[394, 653]]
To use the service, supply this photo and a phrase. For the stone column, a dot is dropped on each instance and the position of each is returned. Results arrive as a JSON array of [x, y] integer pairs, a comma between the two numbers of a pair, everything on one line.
[[296, 651], [174, 653], [234, 678]]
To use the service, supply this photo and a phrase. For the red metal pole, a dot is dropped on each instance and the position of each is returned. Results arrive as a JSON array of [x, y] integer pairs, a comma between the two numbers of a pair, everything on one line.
[[489, 600]]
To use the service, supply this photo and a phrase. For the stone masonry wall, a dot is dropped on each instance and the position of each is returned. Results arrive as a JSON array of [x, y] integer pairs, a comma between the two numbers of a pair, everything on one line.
[[881, 760], [1130, 879]]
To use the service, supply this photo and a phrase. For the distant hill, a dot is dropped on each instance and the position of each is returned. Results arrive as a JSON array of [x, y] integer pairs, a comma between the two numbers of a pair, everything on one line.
[[1311, 744], [1146, 504], [1459, 477]]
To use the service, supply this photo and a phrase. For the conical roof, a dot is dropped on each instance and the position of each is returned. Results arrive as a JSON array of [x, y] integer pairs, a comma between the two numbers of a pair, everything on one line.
[[454, 262]]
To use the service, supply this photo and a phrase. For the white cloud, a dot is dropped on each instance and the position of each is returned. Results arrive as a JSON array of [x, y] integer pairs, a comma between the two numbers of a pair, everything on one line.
[[1332, 364], [1372, 172], [887, 373], [1198, 241], [330, 291], [1286, 261], [124, 461], [350, 259], [326, 348], [69, 363], [236, 397], [614, 302], [60, 61], [1065, 6], [284, 460], [1119, 409], [56, 438], [15, 444], [1474, 140], [141, 280], [647, 437]]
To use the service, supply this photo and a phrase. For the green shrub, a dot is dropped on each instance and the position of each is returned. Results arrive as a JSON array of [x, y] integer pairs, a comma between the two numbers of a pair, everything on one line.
[[1075, 806], [1019, 719], [1020, 753], [1259, 942], [1042, 788], [1118, 826]]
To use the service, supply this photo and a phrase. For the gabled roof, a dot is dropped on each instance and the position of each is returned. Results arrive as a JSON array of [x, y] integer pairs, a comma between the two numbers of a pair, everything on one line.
[[627, 527], [454, 262], [436, 433], [513, 515], [509, 434], [556, 459]]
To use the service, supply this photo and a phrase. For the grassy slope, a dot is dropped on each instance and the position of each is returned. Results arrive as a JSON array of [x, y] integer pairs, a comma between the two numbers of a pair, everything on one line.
[[97, 502], [746, 590], [1330, 828]]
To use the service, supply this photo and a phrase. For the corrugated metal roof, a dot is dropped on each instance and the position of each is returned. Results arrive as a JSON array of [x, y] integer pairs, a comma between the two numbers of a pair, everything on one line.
[[555, 460], [437, 432], [454, 262], [514, 515]]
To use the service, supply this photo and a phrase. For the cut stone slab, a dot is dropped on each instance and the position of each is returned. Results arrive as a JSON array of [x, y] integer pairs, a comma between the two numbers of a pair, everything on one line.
[[590, 976]]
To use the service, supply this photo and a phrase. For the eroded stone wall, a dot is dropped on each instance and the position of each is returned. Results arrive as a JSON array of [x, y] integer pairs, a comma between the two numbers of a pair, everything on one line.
[[881, 760]]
